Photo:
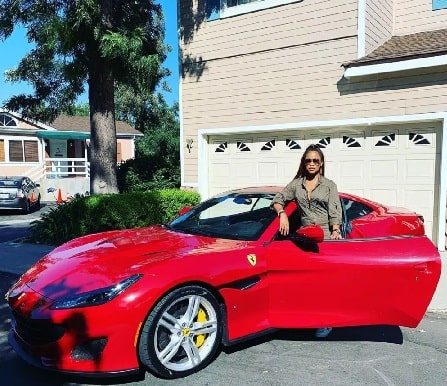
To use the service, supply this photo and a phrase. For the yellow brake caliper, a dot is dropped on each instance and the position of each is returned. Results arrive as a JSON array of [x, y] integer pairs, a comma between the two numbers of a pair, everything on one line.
[[201, 318]]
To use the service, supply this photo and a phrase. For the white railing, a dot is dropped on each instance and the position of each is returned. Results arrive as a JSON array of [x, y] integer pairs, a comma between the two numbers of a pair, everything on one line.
[[66, 167]]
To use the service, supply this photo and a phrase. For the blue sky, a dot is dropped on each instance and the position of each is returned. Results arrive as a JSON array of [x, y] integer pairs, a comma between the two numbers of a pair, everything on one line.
[[16, 46]]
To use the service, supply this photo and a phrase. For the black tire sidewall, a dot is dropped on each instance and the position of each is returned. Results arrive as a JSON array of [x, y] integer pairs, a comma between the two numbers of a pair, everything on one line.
[[27, 208]]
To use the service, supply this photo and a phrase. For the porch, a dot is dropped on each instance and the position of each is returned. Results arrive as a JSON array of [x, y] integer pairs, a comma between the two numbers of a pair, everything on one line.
[[69, 175]]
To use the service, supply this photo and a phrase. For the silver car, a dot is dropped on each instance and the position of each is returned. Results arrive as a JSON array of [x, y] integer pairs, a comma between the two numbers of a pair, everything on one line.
[[19, 193]]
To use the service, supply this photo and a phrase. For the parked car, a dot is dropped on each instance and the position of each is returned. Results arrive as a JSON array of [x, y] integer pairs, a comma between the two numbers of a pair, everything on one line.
[[165, 298], [19, 193]]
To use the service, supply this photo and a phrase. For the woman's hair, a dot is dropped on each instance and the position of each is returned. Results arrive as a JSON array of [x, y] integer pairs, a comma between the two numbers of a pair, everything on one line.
[[302, 168]]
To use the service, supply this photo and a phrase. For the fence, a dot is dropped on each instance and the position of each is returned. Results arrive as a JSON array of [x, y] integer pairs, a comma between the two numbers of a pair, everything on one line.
[[60, 168]]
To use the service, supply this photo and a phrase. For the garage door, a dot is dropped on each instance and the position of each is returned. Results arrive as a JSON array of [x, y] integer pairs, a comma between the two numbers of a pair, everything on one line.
[[394, 165]]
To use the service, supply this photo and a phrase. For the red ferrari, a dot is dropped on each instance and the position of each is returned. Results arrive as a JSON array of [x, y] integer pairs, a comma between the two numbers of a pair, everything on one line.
[[165, 298]]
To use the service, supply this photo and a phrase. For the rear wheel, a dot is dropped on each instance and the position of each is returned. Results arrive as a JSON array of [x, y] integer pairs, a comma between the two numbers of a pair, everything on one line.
[[182, 333]]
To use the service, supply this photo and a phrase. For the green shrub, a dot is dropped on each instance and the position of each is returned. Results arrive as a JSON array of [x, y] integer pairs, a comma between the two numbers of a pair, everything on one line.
[[91, 214]]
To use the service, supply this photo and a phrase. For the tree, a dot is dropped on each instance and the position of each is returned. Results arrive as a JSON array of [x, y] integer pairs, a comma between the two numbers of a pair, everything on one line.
[[99, 43], [157, 154], [80, 109]]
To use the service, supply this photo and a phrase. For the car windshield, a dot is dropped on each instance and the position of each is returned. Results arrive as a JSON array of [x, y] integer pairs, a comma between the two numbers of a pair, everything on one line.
[[8, 183], [237, 216]]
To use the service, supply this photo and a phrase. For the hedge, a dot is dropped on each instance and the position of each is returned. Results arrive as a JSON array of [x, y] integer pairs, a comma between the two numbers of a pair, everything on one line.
[[84, 215]]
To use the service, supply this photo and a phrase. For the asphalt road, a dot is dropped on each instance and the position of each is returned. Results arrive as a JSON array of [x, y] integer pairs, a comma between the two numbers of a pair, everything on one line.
[[379, 355], [15, 225]]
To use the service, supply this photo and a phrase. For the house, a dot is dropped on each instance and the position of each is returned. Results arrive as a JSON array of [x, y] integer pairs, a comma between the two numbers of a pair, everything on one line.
[[364, 79], [55, 155]]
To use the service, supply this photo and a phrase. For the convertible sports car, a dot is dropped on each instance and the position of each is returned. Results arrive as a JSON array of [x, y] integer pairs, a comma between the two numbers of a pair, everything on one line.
[[165, 298]]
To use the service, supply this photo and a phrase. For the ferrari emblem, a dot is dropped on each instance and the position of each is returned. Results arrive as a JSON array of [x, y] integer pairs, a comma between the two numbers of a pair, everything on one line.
[[251, 259]]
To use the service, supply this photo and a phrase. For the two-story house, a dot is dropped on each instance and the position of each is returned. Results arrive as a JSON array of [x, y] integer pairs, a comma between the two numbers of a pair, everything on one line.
[[365, 79]]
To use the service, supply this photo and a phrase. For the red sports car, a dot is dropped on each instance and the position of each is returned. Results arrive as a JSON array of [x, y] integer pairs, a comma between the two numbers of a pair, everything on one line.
[[165, 298]]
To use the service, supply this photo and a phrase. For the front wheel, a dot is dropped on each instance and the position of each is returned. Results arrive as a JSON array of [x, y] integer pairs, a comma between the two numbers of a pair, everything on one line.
[[182, 333]]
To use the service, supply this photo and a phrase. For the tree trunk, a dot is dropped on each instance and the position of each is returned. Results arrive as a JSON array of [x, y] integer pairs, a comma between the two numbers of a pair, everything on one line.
[[103, 178]]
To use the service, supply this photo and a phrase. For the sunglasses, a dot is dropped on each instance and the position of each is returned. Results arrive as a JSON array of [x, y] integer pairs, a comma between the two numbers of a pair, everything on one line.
[[312, 160]]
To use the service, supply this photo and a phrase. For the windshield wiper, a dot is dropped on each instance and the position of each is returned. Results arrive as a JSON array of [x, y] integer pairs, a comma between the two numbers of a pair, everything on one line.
[[190, 230]]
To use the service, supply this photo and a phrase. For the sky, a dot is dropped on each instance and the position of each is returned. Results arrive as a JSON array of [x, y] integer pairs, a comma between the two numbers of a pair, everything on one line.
[[13, 49]]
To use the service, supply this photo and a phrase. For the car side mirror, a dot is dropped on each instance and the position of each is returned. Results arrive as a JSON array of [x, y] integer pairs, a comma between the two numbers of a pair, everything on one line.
[[184, 210], [311, 232]]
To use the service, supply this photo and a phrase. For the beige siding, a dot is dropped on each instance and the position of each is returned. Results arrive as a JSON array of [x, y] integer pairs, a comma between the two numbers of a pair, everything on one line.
[[14, 170], [378, 23], [416, 16], [232, 92], [270, 29], [297, 90], [126, 148]]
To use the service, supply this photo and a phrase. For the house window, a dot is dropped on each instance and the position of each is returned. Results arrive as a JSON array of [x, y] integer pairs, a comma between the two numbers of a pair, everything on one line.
[[23, 151], [7, 121], [233, 3], [237, 7], [439, 4]]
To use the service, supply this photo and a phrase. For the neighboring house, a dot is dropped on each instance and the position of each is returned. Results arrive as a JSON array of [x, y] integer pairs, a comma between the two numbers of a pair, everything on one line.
[[55, 155], [365, 79]]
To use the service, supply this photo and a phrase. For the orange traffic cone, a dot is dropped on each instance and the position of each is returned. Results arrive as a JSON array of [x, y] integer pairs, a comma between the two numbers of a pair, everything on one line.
[[32, 198], [59, 196]]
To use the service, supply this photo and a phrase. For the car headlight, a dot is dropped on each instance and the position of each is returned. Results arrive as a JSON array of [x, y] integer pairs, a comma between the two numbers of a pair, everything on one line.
[[96, 297]]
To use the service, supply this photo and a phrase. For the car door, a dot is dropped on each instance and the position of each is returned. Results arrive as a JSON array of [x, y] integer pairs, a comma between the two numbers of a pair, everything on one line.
[[351, 282]]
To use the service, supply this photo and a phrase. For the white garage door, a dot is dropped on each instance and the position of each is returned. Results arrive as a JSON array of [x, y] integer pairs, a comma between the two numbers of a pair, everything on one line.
[[394, 165]]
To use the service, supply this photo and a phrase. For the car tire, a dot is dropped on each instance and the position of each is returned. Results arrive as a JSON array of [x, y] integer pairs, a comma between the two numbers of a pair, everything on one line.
[[27, 207], [182, 334]]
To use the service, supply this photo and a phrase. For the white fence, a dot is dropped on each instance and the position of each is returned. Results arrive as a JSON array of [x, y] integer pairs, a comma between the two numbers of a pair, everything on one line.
[[60, 168], [66, 167]]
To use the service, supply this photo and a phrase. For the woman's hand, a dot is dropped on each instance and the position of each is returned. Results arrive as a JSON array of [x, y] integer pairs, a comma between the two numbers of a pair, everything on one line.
[[336, 235], [283, 224]]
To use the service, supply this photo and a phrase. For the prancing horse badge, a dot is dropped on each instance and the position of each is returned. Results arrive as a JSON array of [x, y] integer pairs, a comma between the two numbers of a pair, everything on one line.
[[252, 259]]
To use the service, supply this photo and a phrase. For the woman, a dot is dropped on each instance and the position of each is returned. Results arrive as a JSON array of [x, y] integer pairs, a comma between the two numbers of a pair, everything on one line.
[[317, 199], [316, 196]]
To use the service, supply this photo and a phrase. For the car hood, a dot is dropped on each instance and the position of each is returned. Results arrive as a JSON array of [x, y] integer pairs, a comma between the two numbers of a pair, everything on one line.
[[104, 259]]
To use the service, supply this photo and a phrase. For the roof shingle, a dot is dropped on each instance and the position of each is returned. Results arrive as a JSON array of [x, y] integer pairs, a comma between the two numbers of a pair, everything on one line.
[[406, 47], [82, 124]]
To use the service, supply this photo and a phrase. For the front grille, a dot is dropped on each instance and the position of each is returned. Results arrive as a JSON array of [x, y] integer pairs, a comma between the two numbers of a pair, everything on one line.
[[90, 350], [37, 332]]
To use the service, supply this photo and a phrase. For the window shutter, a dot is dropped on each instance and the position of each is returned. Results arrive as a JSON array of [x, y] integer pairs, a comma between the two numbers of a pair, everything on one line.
[[119, 156], [31, 154], [15, 151], [2, 150]]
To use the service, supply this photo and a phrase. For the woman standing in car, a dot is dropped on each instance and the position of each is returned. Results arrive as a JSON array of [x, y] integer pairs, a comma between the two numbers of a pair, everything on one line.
[[317, 199], [316, 196]]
